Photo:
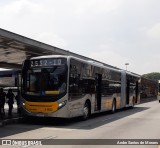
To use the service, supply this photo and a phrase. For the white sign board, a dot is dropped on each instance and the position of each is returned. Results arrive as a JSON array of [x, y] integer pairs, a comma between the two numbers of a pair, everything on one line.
[[7, 81]]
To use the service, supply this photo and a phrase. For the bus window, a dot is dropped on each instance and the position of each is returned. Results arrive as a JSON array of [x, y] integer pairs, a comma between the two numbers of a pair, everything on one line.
[[46, 81]]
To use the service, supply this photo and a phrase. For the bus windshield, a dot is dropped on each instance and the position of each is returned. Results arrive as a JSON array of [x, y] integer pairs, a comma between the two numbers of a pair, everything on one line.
[[46, 80]]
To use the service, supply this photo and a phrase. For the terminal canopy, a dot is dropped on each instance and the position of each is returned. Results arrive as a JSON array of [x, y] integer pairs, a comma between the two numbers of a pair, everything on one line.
[[14, 49]]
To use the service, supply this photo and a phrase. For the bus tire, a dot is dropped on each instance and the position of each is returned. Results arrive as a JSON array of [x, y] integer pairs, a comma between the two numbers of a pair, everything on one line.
[[113, 106], [159, 101], [86, 111]]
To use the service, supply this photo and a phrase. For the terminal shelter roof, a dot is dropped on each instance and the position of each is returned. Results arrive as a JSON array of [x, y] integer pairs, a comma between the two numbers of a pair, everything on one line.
[[14, 49]]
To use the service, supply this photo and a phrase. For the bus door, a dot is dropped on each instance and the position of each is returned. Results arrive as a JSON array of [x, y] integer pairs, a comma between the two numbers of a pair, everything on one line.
[[127, 92], [98, 91], [136, 91]]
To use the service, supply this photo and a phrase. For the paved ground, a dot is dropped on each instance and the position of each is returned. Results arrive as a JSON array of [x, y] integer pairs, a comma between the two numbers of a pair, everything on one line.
[[141, 122], [8, 120], [15, 116]]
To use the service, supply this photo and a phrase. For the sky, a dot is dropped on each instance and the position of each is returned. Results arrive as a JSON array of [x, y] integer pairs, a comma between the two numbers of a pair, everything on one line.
[[111, 31]]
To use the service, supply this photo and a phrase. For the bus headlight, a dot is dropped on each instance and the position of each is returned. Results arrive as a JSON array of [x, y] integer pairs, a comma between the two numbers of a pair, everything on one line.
[[22, 102], [61, 104]]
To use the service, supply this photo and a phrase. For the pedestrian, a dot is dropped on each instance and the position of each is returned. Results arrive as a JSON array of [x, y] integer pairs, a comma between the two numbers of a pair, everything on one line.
[[10, 96], [17, 98], [2, 102]]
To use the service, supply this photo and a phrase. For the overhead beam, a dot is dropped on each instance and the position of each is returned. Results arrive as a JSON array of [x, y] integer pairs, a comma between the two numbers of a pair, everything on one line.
[[10, 66]]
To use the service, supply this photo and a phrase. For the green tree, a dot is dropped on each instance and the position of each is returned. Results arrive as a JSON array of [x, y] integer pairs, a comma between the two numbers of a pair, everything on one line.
[[153, 76]]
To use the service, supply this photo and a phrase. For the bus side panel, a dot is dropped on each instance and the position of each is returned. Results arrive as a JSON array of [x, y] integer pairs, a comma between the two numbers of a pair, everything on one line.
[[123, 89], [76, 105]]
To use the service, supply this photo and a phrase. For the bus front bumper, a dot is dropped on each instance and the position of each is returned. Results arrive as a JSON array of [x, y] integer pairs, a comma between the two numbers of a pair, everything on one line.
[[61, 112]]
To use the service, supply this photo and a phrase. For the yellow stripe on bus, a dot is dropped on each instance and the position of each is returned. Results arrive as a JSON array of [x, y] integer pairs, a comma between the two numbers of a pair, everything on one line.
[[118, 103], [41, 107], [110, 103], [52, 92]]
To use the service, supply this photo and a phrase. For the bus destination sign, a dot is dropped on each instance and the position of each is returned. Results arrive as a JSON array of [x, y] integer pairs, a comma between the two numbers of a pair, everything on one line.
[[47, 62]]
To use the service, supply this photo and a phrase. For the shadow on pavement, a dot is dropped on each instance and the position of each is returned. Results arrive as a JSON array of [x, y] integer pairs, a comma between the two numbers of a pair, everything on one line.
[[96, 120], [149, 99]]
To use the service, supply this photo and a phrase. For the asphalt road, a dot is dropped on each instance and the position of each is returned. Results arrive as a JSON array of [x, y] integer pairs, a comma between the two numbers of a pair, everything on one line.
[[141, 122]]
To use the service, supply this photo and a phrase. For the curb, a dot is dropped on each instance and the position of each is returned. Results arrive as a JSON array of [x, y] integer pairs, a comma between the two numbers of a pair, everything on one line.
[[9, 121]]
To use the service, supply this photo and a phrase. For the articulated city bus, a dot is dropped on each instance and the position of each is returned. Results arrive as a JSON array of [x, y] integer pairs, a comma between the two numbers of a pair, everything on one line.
[[66, 87], [158, 96]]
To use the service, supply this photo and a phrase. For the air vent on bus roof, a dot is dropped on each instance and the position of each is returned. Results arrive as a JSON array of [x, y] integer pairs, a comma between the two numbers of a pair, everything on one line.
[[97, 63]]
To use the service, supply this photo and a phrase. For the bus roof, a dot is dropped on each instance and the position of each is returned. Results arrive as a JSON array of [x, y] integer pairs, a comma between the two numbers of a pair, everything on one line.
[[94, 63], [132, 74], [49, 56]]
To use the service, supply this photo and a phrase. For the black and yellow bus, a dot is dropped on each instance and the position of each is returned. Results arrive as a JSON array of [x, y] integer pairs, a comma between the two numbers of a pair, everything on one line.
[[66, 87]]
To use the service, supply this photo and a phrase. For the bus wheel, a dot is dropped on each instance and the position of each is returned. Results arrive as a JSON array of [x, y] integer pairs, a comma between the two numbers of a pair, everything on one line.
[[114, 106], [159, 101], [86, 111]]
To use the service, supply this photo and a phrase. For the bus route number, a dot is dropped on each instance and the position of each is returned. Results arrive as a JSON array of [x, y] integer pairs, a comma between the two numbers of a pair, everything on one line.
[[45, 62]]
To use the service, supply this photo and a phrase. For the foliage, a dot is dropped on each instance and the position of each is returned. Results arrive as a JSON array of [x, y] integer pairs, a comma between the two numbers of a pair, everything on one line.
[[153, 76]]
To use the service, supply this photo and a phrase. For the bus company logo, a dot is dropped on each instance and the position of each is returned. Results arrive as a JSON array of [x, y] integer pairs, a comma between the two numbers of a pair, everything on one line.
[[6, 142]]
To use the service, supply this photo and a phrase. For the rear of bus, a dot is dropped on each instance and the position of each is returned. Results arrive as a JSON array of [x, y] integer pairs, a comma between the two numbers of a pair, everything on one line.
[[44, 87]]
